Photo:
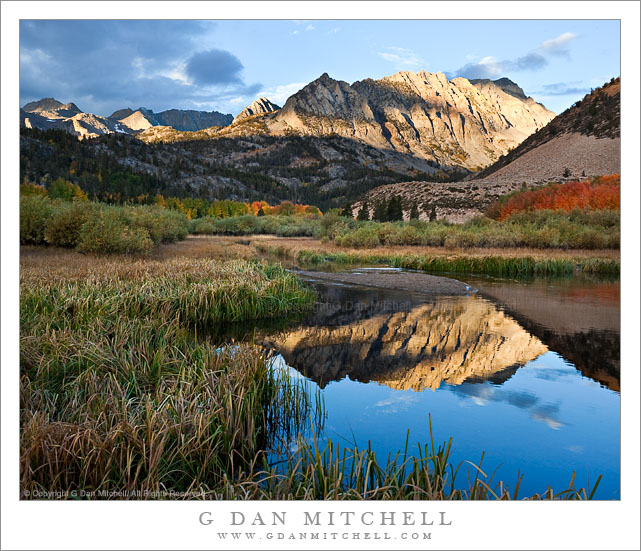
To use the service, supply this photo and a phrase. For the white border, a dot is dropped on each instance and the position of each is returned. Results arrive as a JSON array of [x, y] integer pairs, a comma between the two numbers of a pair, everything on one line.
[[101, 525]]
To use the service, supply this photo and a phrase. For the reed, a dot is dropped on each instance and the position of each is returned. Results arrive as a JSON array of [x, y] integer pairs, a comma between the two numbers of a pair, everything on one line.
[[119, 394], [332, 472], [210, 292], [508, 266]]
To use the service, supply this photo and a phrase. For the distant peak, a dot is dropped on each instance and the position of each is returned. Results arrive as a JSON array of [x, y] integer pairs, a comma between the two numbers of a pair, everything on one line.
[[44, 104], [261, 106], [505, 84]]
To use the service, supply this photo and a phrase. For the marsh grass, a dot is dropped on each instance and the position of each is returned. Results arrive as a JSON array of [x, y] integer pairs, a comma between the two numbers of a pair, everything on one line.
[[119, 394], [332, 472], [511, 266], [208, 293]]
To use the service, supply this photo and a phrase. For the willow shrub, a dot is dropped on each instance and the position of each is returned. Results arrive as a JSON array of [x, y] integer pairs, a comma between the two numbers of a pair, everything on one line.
[[63, 228], [98, 228], [108, 232], [35, 212]]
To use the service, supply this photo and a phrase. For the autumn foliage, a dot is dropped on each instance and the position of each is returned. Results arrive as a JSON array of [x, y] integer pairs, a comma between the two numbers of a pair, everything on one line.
[[603, 192]]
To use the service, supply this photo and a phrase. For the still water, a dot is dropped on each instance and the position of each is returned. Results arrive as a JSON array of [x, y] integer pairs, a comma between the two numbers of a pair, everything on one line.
[[527, 372]]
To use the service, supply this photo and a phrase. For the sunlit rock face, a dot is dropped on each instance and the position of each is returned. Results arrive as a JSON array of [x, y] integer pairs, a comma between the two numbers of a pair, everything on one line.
[[261, 106], [450, 122], [411, 346]]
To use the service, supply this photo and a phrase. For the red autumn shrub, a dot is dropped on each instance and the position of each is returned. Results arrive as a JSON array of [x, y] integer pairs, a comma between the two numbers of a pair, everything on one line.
[[601, 193]]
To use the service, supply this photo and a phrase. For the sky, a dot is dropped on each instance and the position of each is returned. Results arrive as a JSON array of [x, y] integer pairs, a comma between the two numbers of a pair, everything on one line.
[[105, 65]]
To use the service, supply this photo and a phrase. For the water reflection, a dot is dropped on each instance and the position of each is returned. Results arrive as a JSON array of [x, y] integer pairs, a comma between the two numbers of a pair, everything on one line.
[[579, 319], [405, 341], [527, 401], [519, 375]]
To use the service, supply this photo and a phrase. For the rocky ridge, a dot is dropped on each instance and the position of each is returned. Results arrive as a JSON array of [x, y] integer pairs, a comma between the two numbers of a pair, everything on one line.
[[261, 106], [49, 113], [452, 123]]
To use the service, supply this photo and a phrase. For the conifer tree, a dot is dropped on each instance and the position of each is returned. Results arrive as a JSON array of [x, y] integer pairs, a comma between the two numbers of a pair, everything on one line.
[[395, 209], [347, 211], [380, 210], [363, 214]]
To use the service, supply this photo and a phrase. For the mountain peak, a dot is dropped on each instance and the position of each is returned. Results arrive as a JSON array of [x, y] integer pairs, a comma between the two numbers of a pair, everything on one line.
[[52, 108], [44, 104], [261, 106], [121, 113], [504, 83]]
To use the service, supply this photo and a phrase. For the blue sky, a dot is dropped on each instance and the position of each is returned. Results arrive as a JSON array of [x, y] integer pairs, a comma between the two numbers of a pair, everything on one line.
[[224, 65]]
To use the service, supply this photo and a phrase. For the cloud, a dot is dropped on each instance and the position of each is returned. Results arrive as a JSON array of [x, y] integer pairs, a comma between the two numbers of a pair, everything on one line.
[[334, 30], [214, 67], [280, 94], [401, 57], [489, 67], [562, 89], [310, 27], [558, 46], [104, 65]]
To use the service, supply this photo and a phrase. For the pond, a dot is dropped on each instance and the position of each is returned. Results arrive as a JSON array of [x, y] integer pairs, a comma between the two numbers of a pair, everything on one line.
[[526, 372]]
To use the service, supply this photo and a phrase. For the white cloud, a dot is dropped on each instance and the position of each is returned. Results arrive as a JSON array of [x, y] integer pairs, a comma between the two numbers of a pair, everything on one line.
[[177, 72], [235, 101], [33, 56], [310, 27], [334, 30], [490, 67], [401, 57], [279, 94], [558, 45]]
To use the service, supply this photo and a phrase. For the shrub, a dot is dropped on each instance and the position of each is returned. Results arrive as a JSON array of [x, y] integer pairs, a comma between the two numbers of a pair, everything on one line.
[[32, 189], [202, 226], [35, 211], [162, 225], [63, 228], [63, 189], [108, 232], [364, 236], [600, 193]]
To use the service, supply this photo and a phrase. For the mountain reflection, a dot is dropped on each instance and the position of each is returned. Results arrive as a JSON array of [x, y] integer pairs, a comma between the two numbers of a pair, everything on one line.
[[405, 341], [579, 320]]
